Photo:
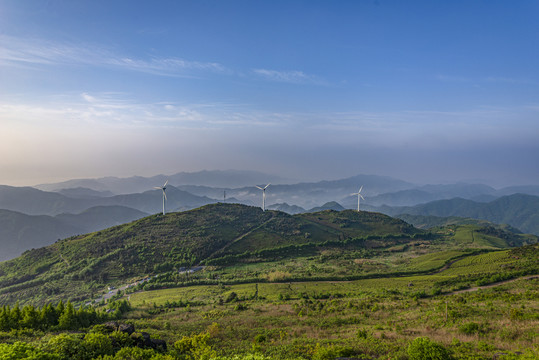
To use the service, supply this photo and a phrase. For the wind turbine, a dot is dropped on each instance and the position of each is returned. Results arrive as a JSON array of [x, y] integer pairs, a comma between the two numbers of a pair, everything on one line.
[[359, 196], [164, 187], [263, 196]]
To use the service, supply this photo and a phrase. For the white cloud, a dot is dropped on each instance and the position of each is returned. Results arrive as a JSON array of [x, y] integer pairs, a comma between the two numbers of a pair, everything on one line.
[[88, 98], [452, 78], [19, 51], [296, 77]]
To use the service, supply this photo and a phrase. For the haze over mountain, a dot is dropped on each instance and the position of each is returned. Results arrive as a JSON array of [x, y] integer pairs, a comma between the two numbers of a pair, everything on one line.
[[384, 194], [518, 210], [135, 184], [20, 232], [36, 202], [239, 186]]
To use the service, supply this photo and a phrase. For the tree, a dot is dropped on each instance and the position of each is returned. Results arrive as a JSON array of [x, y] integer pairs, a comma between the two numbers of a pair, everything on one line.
[[49, 316], [30, 318], [68, 320]]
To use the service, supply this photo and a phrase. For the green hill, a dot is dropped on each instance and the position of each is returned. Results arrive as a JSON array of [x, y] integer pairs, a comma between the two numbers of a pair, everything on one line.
[[219, 235]]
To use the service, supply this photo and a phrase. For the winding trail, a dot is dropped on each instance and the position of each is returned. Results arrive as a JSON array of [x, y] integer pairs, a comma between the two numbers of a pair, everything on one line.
[[61, 256], [475, 288]]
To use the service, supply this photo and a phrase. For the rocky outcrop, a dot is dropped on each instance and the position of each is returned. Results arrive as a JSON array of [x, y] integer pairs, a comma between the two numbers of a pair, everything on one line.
[[140, 339]]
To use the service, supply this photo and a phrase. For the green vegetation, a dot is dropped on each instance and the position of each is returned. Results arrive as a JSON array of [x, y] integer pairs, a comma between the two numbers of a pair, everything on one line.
[[275, 286], [238, 243]]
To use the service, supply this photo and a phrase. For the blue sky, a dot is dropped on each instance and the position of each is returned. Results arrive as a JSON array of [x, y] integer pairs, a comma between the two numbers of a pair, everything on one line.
[[426, 91]]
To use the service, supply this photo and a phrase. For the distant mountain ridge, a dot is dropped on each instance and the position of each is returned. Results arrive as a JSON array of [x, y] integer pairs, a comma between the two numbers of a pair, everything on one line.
[[241, 185], [20, 232], [384, 194], [332, 205], [32, 201], [378, 190], [84, 193], [305, 195], [518, 210], [135, 184]]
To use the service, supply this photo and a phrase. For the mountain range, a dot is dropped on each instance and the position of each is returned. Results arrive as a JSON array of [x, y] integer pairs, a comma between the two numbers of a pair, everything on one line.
[[20, 232], [518, 210], [33, 217], [32, 201], [135, 184]]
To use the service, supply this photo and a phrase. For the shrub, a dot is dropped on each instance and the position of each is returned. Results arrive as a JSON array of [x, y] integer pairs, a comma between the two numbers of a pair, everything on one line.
[[231, 297], [278, 276], [97, 344], [21, 350], [469, 328], [423, 348], [473, 328], [240, 307], [331, 352], [196, 346], [362, 334], [67, 346], [133, 353]]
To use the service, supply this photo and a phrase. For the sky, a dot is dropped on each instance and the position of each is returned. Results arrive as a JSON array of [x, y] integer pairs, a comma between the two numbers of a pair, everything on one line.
[[425, 91]]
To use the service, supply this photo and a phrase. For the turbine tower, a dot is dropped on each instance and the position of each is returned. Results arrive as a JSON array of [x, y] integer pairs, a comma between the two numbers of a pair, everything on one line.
[[263, 196], [164, 187], [359, 196]]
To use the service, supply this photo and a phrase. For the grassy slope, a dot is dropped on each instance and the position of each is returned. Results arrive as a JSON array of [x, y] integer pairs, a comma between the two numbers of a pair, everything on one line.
[[317, 245], [83, 264], [373, 317]]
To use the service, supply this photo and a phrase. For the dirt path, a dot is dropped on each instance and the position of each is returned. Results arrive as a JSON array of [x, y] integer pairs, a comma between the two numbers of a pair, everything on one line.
[[62, 256], [475, 288], [446, 266]]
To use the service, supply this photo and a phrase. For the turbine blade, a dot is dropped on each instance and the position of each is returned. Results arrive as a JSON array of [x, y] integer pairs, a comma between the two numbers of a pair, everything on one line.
[[361, 188], [164, 194], [266, 186], [155, 187], [259, 187], [166, 182], [361, 196]]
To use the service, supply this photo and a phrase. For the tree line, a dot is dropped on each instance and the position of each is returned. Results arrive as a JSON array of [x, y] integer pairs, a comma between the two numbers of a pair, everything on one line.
[[58, 316]]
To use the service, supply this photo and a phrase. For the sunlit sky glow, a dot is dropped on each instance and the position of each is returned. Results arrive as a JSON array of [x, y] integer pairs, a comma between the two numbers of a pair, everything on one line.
[[426, 91]]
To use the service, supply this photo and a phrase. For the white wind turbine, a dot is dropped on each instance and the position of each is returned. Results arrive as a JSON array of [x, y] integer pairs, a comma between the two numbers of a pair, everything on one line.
[[263, 196], [164, 187], [359, 196]]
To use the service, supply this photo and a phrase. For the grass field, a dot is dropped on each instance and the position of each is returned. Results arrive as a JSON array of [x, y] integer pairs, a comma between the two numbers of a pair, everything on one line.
[[376, 318]]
